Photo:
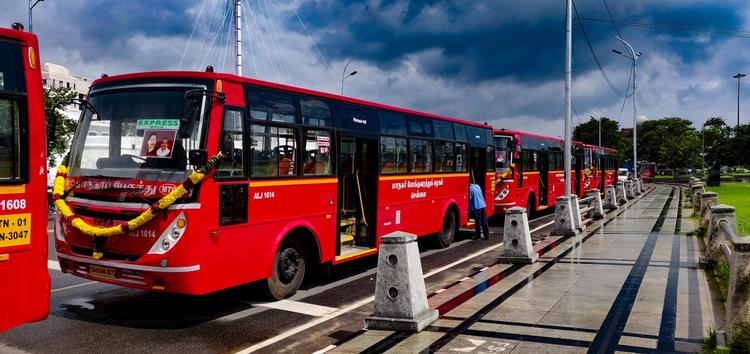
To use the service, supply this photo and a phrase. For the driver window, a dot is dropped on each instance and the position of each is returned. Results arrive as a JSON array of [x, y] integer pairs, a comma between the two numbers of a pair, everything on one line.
[[231, 141], [273, 151]]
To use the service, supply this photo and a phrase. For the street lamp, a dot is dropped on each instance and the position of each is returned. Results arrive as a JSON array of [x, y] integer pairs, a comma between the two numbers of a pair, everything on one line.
[[634, 57], [344, 76], [31, 7], [738, 77]]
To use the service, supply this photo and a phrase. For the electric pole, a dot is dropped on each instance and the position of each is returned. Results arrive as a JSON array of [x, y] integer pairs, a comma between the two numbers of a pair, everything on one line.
[[238, 37], [634, 57], [738, 77], [568, 101]]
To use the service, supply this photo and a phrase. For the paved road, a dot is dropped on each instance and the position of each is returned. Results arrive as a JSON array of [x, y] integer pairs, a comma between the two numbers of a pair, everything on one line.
[[91, 317]]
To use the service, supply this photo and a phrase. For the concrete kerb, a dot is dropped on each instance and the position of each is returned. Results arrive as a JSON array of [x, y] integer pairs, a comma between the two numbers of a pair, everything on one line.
[[610, 198], [620, 192], [400, 295], [517, 245], [564, 222], [596, 203]]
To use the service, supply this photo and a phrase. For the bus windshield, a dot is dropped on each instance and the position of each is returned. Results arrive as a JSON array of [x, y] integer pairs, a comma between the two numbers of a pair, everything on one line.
[[503, 152], [136, 134]]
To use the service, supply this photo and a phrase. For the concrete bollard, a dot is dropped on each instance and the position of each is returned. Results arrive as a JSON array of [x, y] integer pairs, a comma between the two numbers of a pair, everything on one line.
[[596, 203], [629, 190], [564, 223], [400, 295], [621, 197], [610, 197], [517, 244], [708, 199], [695, 192], [738, 292], [718, 213], [638, 186], [693, 180]]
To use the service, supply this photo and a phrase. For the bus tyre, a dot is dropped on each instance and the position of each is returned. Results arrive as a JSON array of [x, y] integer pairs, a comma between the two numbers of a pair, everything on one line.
[[530, 212], [448, 231], [288, 270]]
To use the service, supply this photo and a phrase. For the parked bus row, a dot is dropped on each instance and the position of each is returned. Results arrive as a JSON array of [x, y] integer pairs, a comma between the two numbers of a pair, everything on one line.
[[193, 182]]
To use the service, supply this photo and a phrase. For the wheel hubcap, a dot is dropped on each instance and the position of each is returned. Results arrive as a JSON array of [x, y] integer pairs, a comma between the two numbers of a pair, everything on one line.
[[289, 265]]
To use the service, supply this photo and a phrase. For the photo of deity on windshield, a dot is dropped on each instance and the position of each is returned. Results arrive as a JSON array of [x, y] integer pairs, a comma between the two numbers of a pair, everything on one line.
[[158, 143]]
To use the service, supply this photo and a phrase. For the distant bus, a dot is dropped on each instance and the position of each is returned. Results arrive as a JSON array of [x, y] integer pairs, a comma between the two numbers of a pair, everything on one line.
[[308, 178], [24, 280], [605, 164], [530, 170], [647, 170]]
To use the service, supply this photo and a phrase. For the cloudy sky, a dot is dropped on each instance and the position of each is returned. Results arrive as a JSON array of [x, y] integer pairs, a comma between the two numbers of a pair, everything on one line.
[[495, 61]]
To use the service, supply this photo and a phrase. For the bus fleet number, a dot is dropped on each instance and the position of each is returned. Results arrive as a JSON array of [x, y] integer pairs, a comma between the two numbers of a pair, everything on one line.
[[13, 204]]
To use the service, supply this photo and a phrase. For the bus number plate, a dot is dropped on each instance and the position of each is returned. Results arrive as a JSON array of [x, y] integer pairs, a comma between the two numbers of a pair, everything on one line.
[[15, 230], [101, 271]]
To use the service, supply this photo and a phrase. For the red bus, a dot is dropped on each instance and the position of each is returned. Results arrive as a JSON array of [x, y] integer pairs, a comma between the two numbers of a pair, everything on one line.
[[530, 170], [25, 281], [604, 165], [307, 178]]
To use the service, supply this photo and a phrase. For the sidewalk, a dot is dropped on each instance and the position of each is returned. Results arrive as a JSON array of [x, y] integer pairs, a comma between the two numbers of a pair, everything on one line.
[[629, 283]]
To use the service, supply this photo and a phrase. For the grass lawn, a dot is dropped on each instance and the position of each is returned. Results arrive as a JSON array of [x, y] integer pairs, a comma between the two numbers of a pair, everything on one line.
[[663, 178], [736, 194]]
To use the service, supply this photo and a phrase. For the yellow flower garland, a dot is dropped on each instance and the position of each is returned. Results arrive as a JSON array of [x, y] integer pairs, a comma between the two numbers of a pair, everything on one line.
[[97, 231]]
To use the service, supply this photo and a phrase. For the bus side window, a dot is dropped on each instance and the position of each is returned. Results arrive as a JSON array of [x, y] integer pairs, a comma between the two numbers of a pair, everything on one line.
[[421, 155], [393, 155], [317, 153], [273, 151], [445, 156], [9, 140], [231, 145], [461, 157]]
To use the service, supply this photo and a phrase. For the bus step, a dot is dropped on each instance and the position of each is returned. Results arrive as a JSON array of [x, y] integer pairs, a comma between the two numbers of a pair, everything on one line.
[[347, 239]]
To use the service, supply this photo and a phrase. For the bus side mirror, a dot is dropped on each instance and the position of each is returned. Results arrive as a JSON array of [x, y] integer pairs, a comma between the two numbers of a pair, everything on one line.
[[197, 157]]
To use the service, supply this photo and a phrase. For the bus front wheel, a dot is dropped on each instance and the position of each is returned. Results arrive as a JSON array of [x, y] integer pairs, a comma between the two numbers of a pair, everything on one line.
[[288, 270], [448, 231]]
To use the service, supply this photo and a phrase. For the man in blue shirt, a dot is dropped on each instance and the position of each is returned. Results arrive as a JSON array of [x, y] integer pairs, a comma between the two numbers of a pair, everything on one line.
[[477, 204]]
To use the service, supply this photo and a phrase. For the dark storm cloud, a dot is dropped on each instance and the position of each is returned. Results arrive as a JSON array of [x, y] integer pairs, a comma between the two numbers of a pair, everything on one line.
[[485, 40]]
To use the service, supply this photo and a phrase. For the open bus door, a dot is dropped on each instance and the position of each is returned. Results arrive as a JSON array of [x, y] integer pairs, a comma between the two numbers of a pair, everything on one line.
[[358, 177], [25, 284]]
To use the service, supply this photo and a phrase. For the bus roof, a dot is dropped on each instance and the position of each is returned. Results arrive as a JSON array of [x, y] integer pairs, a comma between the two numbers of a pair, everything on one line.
[[300, 90], [23, 36], [522, 134]]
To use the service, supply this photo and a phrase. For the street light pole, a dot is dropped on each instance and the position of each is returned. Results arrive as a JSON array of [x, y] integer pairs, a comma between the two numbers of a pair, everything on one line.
[[634, 57], [31, 7], [600, 131], [344, 76], [738, 77], [568, 101]]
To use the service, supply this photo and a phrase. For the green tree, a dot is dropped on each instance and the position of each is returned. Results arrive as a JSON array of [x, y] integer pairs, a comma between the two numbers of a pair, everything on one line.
[[716, 136], [59, 140], [672, 141], [738, 146], [588, 133]]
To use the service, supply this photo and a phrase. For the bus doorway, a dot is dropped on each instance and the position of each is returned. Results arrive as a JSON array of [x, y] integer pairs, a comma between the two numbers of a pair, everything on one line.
[[357, 195], [543, 178], [477, 165]]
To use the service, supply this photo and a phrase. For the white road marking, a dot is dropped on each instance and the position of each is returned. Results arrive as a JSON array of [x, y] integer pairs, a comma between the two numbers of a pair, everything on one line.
[[541, 227], [326, 349], [483, 269], [351, 307], [299, 307], [464, 279], [439, 291], [53, 265], [74, 286]]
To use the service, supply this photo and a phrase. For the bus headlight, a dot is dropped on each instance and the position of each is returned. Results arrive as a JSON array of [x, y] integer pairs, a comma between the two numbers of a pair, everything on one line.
[[503, 193], [171, 235]]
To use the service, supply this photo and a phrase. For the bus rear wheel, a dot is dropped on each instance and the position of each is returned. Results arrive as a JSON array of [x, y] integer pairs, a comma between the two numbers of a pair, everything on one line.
[[448, 231], [289, 267]]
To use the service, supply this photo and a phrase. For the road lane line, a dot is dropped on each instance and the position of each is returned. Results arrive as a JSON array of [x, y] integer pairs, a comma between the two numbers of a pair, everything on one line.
[[299, 307], [326, 349], [541, 227], [53, 264], [351, 307], [74, 286]]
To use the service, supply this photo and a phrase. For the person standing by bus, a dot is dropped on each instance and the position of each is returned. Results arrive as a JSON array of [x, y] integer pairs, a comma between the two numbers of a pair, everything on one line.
[[478, 206]]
